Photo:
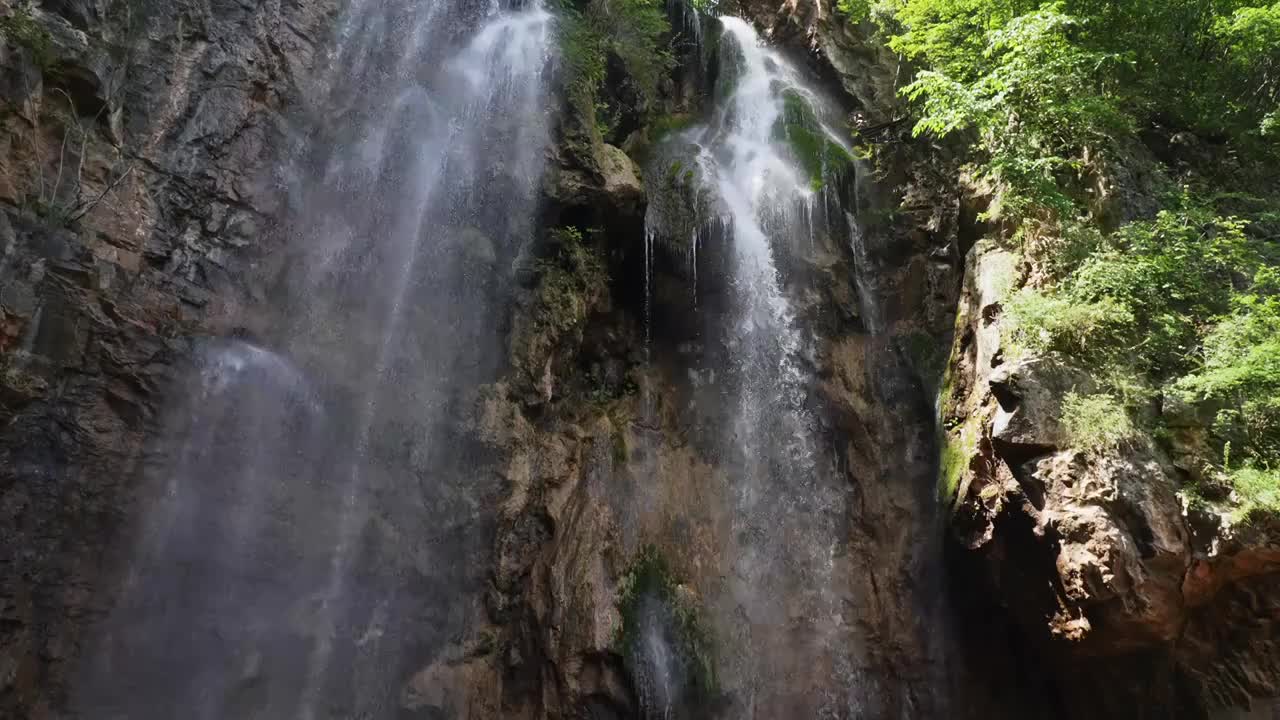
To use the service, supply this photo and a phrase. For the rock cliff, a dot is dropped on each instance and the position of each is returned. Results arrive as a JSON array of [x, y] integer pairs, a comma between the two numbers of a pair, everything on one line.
[[140, 211], [135, 193]]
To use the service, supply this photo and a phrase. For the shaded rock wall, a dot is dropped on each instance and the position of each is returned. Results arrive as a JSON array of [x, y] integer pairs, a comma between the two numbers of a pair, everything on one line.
[[134, 196]]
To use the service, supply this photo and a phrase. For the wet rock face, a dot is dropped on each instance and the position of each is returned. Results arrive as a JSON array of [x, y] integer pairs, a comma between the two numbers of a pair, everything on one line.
[[614, 446], [136, 147]]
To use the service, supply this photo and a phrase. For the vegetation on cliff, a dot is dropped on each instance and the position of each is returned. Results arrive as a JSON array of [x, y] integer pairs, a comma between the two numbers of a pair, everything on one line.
[[649, 579], [596, 32], [1171, 300]]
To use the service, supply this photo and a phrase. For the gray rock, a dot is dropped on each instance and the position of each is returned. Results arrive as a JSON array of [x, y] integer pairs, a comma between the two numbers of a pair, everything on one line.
[[1030, 394]]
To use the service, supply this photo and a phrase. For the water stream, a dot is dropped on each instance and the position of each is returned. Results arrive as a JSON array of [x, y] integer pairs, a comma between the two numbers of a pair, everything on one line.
[[756, 177]]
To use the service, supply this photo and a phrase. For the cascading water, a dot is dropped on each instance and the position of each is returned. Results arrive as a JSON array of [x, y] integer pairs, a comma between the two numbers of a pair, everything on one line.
[[762, 177], [315, 535]]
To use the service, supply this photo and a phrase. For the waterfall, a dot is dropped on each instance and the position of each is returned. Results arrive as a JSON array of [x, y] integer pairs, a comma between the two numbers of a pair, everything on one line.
[[312, 534], [759, 177]]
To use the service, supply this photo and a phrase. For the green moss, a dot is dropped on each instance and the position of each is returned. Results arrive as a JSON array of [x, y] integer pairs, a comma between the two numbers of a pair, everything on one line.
[[22, 29], [649, 576], [958, 446], [664, 125], [821, 158], [796, 110], [656, 130]]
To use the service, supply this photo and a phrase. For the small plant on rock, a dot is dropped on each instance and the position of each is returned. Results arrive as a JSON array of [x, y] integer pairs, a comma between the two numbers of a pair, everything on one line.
[[1096, 422]]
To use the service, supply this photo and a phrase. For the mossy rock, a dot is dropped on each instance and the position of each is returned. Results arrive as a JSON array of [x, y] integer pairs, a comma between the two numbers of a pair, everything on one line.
[[821, 158], [657, 609], [571, 281], [21, 28]]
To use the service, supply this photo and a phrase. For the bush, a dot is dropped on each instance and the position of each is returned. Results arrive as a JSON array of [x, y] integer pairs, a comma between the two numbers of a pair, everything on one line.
[[628, 29], [1240, 372], [1096, 422], [1257, 492], [1185, 301], [1143, 297]]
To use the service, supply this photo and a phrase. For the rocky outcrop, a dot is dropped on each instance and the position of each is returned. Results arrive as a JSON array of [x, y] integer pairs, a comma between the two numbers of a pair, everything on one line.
[[134, 167], [1095, 554]]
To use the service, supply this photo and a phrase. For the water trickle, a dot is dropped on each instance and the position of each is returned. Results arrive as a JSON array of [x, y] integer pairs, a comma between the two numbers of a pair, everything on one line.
[[656, 663], [867, 298], [648, 292]]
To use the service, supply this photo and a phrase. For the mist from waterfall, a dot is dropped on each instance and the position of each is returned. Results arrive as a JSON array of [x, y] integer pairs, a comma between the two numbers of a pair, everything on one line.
[[312, 533]]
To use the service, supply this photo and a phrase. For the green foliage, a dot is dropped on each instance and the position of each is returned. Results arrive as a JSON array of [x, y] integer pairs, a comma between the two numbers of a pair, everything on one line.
[[1250, 46], [1140, 299], [1096, 422], [629, 30], [1184, 300], [1034, 100], [1257, 492], [1240, 373], [1045, 87], [1045, 93], [1209, 63], [857, 10], [649, 577]]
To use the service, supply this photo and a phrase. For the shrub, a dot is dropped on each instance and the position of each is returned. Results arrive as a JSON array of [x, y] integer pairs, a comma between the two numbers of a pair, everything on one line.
[[1096, 422], [1143, 297], [1240, 372], [627, 29], [1257, 492]]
